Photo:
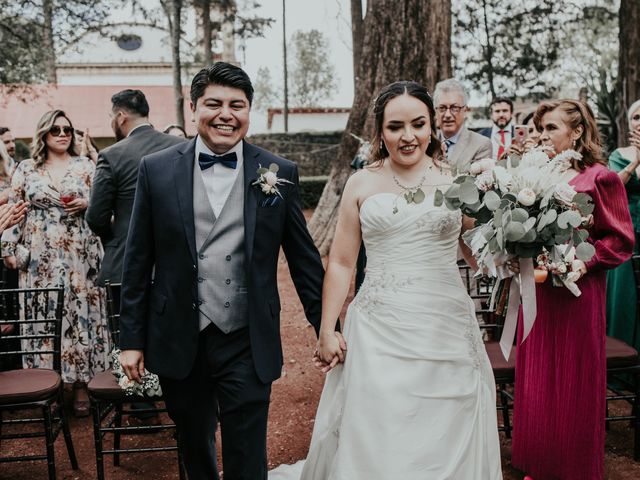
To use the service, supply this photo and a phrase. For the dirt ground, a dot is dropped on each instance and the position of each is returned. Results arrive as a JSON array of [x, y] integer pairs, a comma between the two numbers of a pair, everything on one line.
[[294, 400]]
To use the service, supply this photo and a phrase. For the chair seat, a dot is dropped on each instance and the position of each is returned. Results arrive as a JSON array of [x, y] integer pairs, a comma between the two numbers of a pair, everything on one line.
[[105, 387], [620, 355], [502, 369], [28, 385]]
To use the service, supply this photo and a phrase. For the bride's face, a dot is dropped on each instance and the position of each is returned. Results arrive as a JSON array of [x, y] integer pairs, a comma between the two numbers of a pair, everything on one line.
[[406, 130]]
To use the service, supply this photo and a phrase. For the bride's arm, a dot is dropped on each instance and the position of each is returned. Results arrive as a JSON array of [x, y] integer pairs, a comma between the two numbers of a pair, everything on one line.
[[337, 279], [467, 224]]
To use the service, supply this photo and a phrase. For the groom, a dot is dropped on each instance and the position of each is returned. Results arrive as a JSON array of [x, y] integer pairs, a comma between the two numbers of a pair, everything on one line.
[[200, 303]]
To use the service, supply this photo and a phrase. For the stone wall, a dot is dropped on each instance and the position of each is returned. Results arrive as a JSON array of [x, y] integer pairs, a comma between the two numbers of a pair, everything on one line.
[[312, 151]]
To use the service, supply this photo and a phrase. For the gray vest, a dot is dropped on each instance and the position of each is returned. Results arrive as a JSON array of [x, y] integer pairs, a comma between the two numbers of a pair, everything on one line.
[[222, 283]]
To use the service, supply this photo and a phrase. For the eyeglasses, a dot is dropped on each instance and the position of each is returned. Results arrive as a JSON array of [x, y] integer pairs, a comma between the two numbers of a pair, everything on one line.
[[56, 130], [454, 109]]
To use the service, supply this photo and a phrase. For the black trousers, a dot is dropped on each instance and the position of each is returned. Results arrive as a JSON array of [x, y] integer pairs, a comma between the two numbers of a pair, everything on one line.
[[223, 386]]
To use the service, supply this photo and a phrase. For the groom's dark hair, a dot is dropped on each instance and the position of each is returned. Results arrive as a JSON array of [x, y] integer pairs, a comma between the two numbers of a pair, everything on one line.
[[224, 74]]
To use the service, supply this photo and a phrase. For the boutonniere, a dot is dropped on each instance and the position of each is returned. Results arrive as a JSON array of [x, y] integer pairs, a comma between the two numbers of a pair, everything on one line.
[[268, 181]]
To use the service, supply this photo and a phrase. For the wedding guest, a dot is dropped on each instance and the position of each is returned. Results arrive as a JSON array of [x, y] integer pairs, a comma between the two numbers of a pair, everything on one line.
[[7, 166], [85, 145], [561, 366], [502, 132], [533, 137], [55, 247], [9, 141], [462, 145], [175, 130], [622, 321]]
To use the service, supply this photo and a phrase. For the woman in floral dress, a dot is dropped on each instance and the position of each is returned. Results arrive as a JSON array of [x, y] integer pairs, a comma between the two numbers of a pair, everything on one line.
[[55, 247]]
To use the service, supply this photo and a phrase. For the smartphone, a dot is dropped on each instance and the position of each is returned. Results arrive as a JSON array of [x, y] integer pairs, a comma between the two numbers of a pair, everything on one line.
[[521, 133]]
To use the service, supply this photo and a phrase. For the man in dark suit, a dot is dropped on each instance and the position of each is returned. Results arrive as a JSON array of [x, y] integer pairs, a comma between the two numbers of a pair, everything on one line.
[[114, 183], [200, 303], [502, 132]]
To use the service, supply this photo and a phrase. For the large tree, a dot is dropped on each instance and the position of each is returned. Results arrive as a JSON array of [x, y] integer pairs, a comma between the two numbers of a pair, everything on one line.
[[313, 76], [628, 63], [402, 39]]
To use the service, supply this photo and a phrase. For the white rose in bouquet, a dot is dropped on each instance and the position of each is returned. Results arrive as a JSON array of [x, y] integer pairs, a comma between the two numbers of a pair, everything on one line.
[[526, 197], [564, 193]]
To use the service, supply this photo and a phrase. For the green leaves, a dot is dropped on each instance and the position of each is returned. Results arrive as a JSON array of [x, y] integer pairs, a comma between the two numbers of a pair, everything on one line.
[[492, 200], [469, 192], [569, 217], [585, 251], [584, 203], [274, 168], [438, 198]]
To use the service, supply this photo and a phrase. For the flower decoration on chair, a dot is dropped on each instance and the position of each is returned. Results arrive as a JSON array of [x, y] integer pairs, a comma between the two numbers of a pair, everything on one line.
[[523, 207], [150, 386], [268, 180]]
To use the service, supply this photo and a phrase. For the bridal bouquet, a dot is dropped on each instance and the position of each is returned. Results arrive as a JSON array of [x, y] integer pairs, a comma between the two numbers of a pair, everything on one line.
[[560, 262], [523, 208], [150, 386]]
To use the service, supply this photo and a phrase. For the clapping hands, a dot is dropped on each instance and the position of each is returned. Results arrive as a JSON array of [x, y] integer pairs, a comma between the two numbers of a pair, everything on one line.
[[330, 351]]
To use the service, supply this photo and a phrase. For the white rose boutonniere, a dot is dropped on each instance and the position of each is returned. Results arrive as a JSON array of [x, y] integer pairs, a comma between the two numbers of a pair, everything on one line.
[[268, 180]]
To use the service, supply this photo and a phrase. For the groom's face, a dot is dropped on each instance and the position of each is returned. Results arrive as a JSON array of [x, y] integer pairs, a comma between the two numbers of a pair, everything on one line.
[[222, 117]]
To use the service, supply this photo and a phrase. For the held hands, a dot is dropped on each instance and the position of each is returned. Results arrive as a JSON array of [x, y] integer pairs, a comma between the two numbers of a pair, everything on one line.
[[576, 266], [330, 351], [132, 362]]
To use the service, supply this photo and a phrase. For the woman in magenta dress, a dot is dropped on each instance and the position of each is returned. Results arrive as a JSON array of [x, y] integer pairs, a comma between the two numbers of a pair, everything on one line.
[[560, 393]]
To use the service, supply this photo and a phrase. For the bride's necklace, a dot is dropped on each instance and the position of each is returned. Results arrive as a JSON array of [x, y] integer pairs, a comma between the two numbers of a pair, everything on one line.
[[413, 194]]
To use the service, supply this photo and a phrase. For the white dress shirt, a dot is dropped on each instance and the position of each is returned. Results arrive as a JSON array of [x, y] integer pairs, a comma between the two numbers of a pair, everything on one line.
[[495, 137], [218, 179]]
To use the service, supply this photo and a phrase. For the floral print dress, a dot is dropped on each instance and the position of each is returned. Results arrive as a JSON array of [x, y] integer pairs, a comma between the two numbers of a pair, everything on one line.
[[61, 250]]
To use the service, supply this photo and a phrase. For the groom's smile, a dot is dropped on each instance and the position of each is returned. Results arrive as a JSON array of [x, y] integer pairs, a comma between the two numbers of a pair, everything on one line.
[[222, 117]]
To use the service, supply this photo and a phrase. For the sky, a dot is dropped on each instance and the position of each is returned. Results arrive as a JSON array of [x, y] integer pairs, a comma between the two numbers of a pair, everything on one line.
[[331, 17]]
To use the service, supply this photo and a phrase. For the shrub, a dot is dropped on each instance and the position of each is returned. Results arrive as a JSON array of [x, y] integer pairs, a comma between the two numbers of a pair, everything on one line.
[[311, 190]]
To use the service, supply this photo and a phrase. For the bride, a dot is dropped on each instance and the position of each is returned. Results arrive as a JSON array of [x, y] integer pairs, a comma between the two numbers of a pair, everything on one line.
[[414, 398]]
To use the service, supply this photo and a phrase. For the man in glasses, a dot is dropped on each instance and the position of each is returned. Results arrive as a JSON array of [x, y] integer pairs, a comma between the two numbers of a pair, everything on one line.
[[462, 145]]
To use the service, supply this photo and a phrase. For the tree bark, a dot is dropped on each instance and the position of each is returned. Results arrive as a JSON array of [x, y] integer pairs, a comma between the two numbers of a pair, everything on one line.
[[628, 64], [173, 10], [49, 47], [402, 40], [356, 36], [207, 34]]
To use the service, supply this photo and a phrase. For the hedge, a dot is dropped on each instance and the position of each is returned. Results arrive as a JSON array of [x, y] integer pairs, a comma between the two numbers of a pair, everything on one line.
[[311, 190]]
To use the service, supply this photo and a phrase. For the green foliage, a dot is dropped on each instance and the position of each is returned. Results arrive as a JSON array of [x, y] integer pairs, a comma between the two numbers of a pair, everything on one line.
[[313, 77], [265, 95], [311, 190]]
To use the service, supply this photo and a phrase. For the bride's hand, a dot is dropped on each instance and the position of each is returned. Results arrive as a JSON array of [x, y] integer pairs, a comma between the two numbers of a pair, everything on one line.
[[330, 351]]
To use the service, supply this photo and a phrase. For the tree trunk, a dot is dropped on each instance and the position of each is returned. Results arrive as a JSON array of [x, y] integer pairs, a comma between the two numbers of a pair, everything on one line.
[[402, 39], [174, 14], [356, 36], [49, 47], [207, 34], [628, 64]]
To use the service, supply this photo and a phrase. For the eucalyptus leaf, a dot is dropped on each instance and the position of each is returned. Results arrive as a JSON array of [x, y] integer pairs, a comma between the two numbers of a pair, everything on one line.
[[453, 191], [514, 231], [497, 216], [529, 223], [460, 180], [262, 170], [438, 198], [519, 215], [493, 245], [274, 168], [569, 217], [492, 200], [469, 193], [585, 251], [500, 238], [530, 236], [514, 159], [583, 234]]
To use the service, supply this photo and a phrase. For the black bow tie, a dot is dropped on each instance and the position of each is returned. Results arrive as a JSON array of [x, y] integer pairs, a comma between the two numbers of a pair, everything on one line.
[[229, 160]]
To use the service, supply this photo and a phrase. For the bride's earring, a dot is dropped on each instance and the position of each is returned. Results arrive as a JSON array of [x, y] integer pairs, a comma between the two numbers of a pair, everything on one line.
[[381, 144]]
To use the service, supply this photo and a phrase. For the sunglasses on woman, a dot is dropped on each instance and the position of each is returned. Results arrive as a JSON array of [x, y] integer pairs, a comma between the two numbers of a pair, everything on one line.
[[56, 130]]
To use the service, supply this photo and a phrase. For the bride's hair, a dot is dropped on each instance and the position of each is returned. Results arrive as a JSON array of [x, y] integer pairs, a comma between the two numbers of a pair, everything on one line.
[[379, 151]]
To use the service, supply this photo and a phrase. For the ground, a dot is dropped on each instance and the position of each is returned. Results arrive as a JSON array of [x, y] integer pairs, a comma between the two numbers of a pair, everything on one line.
[[294, 400]]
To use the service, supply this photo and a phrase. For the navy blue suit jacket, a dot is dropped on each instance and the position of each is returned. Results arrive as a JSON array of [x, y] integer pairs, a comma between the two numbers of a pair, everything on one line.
[[161, 317]]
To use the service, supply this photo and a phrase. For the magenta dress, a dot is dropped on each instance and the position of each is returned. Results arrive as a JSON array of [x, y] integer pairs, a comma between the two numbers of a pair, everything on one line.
[[559, 411]]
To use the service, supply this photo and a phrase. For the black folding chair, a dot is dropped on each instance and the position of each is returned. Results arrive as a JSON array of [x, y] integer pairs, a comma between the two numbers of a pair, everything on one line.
[[110, 405], [31, 319]]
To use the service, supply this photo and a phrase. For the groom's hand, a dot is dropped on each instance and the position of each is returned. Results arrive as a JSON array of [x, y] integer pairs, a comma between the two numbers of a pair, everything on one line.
[[132, 362], [331, 351]]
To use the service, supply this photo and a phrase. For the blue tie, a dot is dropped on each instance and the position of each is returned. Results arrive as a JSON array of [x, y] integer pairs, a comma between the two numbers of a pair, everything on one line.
[[448, 143], [229, 160]]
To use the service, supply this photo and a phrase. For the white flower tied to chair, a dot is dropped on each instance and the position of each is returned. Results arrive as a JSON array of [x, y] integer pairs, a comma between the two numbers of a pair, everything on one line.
[[523, 207]]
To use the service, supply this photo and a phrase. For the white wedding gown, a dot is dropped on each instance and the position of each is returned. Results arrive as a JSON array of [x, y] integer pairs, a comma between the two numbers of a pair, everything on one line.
[[415, 398]]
